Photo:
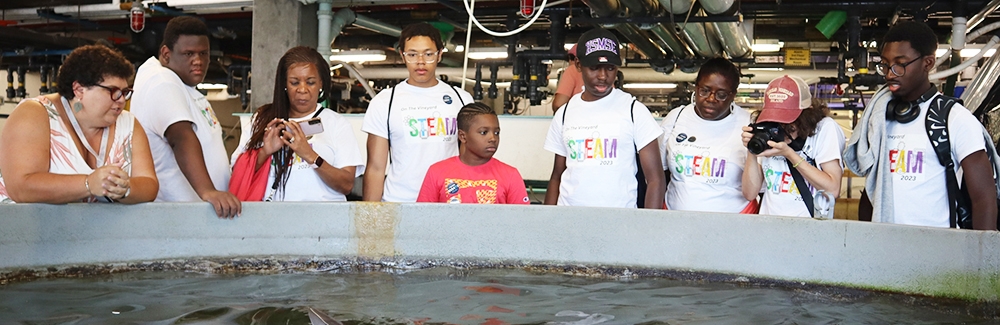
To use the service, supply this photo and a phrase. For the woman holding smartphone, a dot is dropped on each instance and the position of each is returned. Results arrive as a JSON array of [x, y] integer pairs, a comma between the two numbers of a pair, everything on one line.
[[310, 152]]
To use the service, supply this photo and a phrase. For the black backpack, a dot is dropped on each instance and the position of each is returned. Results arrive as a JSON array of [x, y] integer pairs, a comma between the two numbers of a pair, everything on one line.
[[640, 177], [959, 202]]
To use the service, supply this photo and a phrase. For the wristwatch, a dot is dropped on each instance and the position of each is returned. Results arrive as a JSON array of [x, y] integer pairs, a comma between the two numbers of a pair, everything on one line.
[[317, 163]]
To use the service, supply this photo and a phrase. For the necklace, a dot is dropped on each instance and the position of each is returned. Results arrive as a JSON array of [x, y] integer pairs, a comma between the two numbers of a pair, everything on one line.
[[83, 139]]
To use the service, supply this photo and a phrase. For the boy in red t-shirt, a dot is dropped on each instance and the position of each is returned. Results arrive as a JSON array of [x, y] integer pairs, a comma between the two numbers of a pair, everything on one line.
[[474, 176]]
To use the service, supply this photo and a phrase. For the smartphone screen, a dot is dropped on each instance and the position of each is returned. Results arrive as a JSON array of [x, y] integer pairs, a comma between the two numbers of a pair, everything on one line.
[[311, 126]]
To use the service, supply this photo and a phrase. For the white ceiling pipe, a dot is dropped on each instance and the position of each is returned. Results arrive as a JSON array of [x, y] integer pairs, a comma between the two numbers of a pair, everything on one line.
[[946, 73], [632, 74]]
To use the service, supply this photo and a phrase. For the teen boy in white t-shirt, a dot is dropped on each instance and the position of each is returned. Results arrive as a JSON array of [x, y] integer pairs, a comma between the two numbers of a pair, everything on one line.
[[413, 123], [906, 181], [595, 136], [185, 136]]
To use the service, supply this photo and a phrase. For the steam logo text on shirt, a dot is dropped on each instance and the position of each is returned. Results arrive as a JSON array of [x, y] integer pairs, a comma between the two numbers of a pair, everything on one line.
[[700, 165], [595, 145], [780, 181], [907, 164], [431, 126]]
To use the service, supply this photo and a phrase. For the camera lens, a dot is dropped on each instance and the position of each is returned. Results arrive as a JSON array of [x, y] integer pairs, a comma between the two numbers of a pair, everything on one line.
[[758, 143]]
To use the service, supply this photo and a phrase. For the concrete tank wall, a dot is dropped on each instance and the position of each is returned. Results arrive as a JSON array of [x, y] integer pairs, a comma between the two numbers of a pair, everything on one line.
[[939, 262]]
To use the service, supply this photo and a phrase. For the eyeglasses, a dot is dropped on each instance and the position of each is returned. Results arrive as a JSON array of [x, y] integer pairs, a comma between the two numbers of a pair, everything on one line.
[[897, 69], [118, 93], [414, 57], [719, 94]]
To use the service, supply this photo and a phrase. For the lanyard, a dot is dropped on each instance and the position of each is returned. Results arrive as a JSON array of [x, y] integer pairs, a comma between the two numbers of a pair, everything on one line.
[[79, 133]]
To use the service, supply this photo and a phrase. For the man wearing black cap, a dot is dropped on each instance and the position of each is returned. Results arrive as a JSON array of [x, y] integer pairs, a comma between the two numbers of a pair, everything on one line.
[[596, 134]]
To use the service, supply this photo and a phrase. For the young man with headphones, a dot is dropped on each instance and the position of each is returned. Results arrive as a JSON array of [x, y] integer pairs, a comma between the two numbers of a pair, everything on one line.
[[904, 178]]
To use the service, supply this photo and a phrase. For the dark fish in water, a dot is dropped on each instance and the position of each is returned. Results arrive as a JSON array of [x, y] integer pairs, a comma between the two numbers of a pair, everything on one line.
[[317, 317]]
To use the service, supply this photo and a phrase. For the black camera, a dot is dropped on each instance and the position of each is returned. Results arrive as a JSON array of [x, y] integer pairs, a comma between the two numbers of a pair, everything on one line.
[[762, 133]]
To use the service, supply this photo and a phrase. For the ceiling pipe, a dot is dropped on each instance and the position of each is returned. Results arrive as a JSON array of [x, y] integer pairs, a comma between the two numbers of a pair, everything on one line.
[[345, 17], [702, 37], [732, 35], [979, 17], [979, 88]]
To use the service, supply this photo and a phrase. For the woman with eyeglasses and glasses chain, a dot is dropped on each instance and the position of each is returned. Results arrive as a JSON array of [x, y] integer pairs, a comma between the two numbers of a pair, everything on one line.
[[702, 151], [413, 122], [78, 145], [301, 158]]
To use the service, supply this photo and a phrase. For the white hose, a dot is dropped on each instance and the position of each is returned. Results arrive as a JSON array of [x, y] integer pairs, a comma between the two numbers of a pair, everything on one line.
[[946, 73], [472, 19], [973, 35], [508, 33]]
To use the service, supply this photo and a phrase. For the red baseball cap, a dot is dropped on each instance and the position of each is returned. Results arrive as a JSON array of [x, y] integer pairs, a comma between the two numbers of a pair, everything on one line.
[[784, 100]]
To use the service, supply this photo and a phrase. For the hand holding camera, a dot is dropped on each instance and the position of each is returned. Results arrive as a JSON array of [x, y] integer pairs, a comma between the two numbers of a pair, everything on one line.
[[765, 139]]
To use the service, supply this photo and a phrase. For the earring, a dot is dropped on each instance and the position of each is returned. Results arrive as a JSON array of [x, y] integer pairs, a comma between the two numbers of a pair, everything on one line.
[[321, 93]]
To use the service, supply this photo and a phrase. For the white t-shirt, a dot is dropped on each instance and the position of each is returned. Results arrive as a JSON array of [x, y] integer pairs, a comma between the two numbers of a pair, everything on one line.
[[599, 140], [162, 99], [919, 189], [423, 131], [336, 144], [705, 159], [781, 194]]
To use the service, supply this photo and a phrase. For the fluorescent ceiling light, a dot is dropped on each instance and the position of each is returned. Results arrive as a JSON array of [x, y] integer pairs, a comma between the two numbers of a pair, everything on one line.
[[212, 86], [650, 86], [358, 56], [487, 53], [766, 69], [967, 52], [568, 46], [459, 48], [753, 86], [765, 45]]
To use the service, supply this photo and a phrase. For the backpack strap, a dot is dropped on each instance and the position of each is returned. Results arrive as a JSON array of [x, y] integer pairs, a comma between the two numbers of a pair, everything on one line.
[[388, 126], [936, 125], [460, 100], [801, 185]]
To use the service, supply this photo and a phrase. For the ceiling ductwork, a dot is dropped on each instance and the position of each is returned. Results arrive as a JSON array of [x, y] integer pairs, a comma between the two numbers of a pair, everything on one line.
[[731, 34]]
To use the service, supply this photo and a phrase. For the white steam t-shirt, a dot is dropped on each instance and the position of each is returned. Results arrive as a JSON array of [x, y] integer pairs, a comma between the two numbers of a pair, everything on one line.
[[919, 189], [781, 194], [422, 130], [705, 159], [162, 99], [599, 140]]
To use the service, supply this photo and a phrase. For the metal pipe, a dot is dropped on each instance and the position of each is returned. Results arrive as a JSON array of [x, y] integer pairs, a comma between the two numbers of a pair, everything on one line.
[[477, 89], [979, 88], [672, 41], [341, 19], [11, 91], [43, 76], [325, 16], [642, 43], [980, 16], [989, 45], [492, 92], [21, 72], [731, 35], [377, 26], [641, 7], [557, 32], [676, 7], [604, 8]]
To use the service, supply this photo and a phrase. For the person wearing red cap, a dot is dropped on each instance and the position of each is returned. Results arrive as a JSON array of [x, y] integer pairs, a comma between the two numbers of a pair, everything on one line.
[[570, 82], [803, 139], [599, 135]]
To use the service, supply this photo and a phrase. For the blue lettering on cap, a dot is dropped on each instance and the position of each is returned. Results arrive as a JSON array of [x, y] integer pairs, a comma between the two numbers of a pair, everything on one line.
[[447, 99], [681, 137]]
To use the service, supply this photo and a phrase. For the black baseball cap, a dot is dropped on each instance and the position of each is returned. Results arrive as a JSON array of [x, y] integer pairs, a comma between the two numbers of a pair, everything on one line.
[[598, 46]]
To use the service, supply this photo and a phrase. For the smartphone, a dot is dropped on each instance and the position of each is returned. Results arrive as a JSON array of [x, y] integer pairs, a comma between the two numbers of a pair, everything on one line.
[[311, 126]]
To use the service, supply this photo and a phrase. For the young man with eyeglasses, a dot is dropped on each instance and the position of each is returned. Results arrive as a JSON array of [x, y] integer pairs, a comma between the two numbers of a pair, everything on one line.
[[890, 146], [596, 137], [701, 146], [185, 136], [414, 122]]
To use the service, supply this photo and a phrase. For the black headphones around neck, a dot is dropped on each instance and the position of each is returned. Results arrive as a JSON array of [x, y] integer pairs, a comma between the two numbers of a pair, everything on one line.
[[903, 111]]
